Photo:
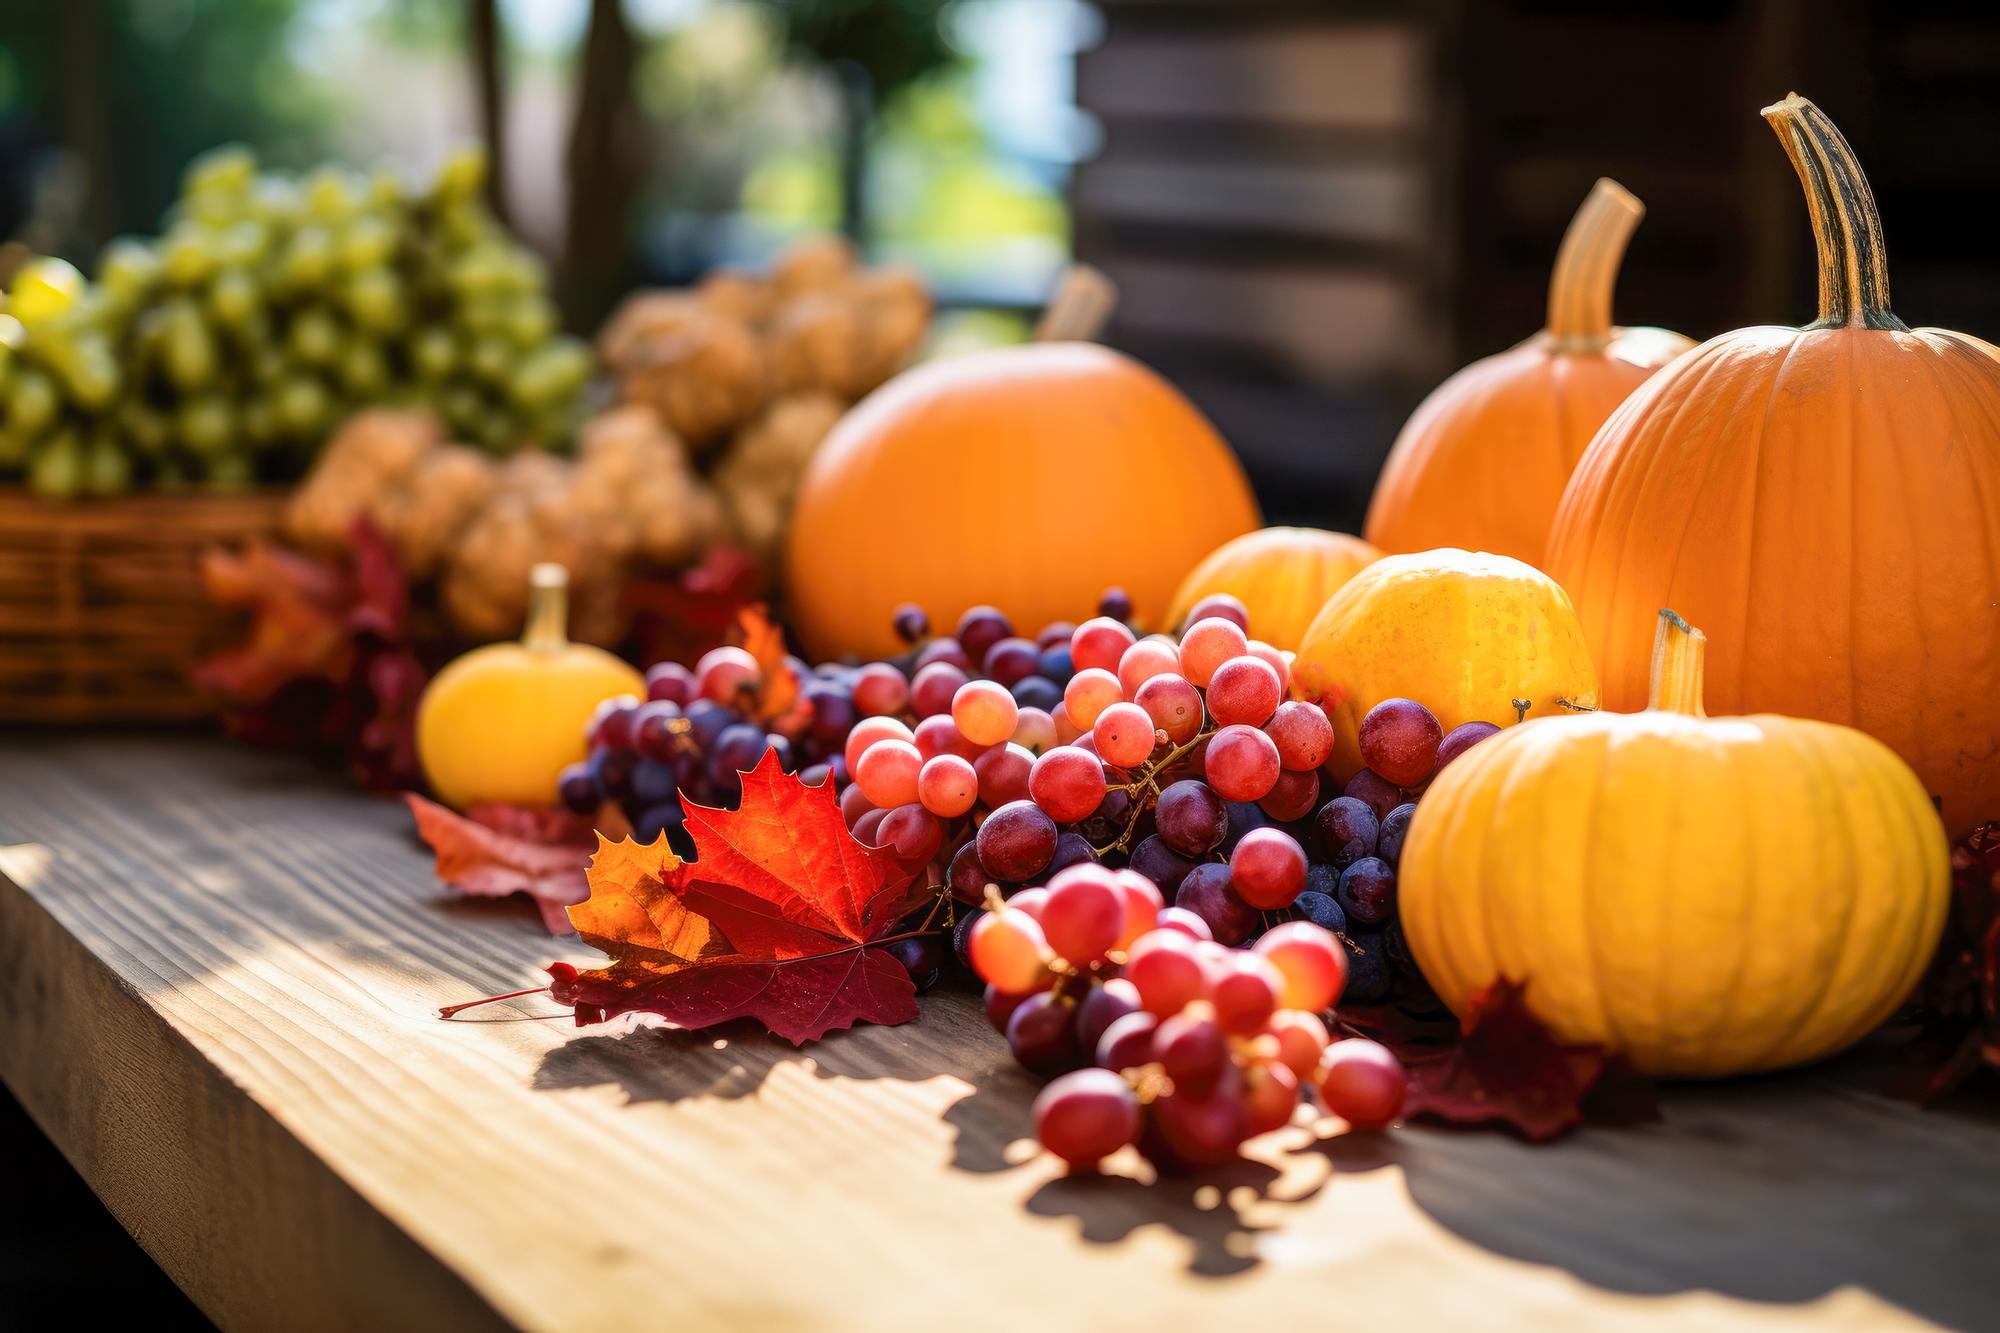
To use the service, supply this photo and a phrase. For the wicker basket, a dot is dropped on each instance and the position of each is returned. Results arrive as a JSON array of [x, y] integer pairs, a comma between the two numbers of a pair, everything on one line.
[[101, 607]]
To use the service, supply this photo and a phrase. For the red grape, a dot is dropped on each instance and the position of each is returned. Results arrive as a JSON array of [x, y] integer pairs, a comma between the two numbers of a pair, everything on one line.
[[1099, 642], [1034, 731], [1244, 690], [913, 831], [610, 726], [1379, 794], [854, 804], [1066, 728], [1278, 661], [1085, 1116], [652, 727], [1085, 914], [1174, 704], [1207, 645], [1068, 783], [1270, 1096], [670, 681], [1191, 818], [1001, 1004], [1102, 1007], [867, 828], [1142, 905], [940, 735], [1011, 661], [1362, 1082], [1185, 922], [1462, 738], [887, 773], [947, 650], [947, 786], [1007, 948], [1301, 1040], [723, 671], [1089, 693], [984, 711], [1124, 735], [1191, 1047], [1003, 775], [932, 688], [1017, 841], [1162, 965], [1292, 797], [1241, 763], [1400, 740], [1221, 605], [1302, 733], [1191, 1131], [1311, 961], [1246, 994], [1042, 1034], [879, 689], [1268, 868], [967, 878], [1143, 661], [1207, 893], [1031, 901], [869, 730], [980, 628], [1127, 1043]]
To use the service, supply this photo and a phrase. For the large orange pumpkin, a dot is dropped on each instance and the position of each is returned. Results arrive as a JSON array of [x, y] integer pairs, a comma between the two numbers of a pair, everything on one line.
[[1030, 477], [1482, 462], [1843, 479]]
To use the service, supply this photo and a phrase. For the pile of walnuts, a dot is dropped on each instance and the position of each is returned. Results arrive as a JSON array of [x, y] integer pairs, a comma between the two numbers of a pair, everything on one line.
[[725, 391]]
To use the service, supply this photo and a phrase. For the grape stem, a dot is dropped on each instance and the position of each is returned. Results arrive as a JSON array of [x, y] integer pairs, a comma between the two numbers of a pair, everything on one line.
[[1148, 782]]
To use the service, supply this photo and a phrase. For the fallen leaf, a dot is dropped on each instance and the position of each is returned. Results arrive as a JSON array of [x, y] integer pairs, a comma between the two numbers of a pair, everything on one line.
[[777, 683], [1955, 1032], [504, 850], [779, 918], [680, 618], [1504, 1067]]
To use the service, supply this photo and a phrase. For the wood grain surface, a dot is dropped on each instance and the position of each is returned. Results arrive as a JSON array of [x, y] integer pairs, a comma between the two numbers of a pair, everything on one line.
[[219, 976]]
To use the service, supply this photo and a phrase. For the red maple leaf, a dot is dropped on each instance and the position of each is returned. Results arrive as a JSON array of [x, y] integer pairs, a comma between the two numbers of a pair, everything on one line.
[[495, 850], [777, 919], [1505, 1067], [777, 683]]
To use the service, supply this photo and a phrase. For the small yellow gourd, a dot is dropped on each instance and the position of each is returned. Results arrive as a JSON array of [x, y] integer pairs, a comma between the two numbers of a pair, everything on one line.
[[1472, 636], [1281, 575], [500, 723], [1709, 896]]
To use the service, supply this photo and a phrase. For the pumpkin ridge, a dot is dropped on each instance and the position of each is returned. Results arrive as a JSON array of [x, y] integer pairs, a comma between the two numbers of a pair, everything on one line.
[[1749, 589], [1607, 746]]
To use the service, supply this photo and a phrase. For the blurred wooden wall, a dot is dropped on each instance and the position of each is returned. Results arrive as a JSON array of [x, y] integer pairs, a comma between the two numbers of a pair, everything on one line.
[[1317, 210]]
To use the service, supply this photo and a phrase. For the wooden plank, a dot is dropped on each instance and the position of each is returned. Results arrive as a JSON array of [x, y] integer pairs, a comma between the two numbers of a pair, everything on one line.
[[218, 981]]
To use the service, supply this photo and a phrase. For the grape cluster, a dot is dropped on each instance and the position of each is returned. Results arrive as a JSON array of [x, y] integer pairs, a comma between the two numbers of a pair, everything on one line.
[[223, 351]]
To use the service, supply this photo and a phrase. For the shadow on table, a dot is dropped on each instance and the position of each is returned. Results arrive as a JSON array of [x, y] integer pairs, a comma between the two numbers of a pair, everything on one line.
[[1780, 1189]]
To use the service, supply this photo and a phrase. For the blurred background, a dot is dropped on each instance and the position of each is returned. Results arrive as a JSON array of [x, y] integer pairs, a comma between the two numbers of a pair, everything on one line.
[[1314, 210]]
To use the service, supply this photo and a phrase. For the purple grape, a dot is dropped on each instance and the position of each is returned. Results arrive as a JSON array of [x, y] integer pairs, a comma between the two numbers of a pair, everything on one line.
[[961, 936], [980, 628], [735, 752], [578, 790], [1127, 1043], [614, 772], [651, 823], [1207, 893], [833, 712], [653, 729], [1322, 878], [1347, 830], [669, 681], [1389, 846], [1037, 692], [1368, 972], [706, 720], [653, 783], [1322, 911], [966, 877], [1368, 891], [1376, 791], [815, 775], [1101, 1008], [1191, 818], [922, 956], [1054, 664], [1244, 816], [1016, 842], [1116, 603], [1072, 849], [1462, 738], [1161, 864], [1042, 1034], [910, 622], [1011, 660]]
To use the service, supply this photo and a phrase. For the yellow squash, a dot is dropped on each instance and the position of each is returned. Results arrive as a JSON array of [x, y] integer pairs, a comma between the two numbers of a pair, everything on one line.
[[1709, 896], [500, 723], [1281, 575], [1473, 637]]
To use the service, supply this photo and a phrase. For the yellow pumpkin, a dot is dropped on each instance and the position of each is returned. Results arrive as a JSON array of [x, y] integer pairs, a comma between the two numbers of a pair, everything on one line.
[[1031, 477], [1282, 575], [1709, 896], [502, 722], [1472, 636]]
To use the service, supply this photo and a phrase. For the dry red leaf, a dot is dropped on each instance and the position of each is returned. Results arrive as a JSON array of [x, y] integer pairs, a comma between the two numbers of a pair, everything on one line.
[[679, 618], [778, 919], [1502, 1066], [778, 683], [492, 851]]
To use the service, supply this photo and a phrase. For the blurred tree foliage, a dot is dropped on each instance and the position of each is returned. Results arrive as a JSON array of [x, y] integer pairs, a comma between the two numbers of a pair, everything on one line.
[[895, 42]]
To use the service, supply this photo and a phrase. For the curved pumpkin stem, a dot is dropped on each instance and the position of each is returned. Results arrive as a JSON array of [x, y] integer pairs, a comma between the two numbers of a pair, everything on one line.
[[548, 608], [1080, 308], [1679, 651], [1587, 266], [1853, 269]]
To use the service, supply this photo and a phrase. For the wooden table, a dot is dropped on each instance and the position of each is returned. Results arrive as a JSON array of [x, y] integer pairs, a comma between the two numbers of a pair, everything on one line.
[[219, 976]]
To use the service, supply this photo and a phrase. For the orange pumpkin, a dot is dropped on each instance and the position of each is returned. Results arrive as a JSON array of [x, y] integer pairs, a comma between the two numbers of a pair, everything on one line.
[[1030, 477], [1843, 479], [1283, 576], [1482, 462]]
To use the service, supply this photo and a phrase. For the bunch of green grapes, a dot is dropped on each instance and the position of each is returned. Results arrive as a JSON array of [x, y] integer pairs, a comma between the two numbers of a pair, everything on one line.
[[224, 351]]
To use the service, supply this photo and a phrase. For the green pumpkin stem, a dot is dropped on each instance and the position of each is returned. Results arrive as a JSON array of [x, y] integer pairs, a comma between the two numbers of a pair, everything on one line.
[[548, 608], [1679, 652], [1853, 269], [1586, 268]]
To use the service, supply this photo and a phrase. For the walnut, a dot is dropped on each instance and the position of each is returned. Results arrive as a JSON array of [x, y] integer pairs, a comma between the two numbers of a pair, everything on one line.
[[371, 452], [812, 264], [736, 294], [758, 479], [423, 514], [895, 315], [703, 372], [815, 343]]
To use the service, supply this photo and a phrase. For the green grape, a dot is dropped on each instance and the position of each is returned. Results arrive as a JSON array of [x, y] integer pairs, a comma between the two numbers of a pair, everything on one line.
[[228, 169], [107, 469], [188, 254], [14, 448], [461, 405], [433, 352], [384, 189], [331, 195], [462, 175], [43, 289], [12, 336], [302, 404], [496, 431], [170, 475], [491, 358], [234, 298], [88, 367], [187, 348], [375, 300], [144, 427], [259, 422], [551, 376], [363, 371], [274, 201], [464, 226], [206, 424], [367, 242], [128, 270], [32, 400], [484, 314], [524, 272], [314, 336], [56, 467], [228, 472], [308, 259], [269, 364], [243, 243], [529, 322]]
